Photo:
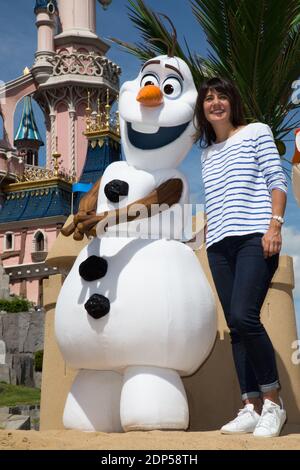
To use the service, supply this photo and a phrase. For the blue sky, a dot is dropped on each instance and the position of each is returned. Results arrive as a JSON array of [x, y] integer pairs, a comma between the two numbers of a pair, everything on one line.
[[18, 44]]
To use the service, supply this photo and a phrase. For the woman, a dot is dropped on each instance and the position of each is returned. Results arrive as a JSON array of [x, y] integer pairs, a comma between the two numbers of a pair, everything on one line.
[[245, 193]]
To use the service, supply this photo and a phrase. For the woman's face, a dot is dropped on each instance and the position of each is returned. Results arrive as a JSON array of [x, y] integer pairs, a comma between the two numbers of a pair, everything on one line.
[[216, 107]]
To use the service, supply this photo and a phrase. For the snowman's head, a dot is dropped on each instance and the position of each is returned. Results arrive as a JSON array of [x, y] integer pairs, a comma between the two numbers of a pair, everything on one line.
[[156, 114]]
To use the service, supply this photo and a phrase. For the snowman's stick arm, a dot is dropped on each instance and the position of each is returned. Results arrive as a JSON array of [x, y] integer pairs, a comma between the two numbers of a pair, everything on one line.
[[160, 199], [87, 207]]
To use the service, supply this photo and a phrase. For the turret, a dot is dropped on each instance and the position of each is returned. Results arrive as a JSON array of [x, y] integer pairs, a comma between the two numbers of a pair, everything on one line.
[[28, 139], [78, 17], [78, 26], [45, 11]]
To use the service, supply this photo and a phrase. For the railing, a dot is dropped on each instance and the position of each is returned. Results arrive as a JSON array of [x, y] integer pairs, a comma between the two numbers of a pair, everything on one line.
[[88, 64], [37, 173]]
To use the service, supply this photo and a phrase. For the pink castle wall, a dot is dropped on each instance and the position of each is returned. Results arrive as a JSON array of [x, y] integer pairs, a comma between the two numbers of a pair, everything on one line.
[[79, 15], [15, 288], [81, 143], [32, 285], [45, 32], [63, 132], [3, 164]]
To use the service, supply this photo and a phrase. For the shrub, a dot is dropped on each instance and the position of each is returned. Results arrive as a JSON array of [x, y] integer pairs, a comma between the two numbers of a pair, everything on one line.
[[38, 360], [14, 395], [15, 305]]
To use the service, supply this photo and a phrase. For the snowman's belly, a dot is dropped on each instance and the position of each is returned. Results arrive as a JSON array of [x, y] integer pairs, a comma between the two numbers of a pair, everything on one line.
[[161, 308]]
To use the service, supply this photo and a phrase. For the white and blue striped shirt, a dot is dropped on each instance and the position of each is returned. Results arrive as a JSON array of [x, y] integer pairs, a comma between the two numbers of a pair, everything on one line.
[[239, 175]]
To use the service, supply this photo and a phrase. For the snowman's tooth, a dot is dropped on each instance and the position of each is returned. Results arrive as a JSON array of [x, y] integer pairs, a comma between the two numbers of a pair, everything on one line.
[[144, 128]]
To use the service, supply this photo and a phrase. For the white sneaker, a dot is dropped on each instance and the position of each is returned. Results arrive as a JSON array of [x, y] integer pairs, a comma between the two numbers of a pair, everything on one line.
[[271, 420], [245, 421]]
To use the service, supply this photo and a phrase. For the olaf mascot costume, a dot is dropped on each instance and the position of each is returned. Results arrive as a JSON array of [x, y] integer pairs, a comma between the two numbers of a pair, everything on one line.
[[135, 312]]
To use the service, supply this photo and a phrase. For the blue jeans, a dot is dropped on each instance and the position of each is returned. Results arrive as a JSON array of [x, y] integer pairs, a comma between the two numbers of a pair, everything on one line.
[[242, 278]]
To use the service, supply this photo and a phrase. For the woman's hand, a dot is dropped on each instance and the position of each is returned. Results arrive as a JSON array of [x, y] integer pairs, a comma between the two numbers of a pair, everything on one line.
[[272, 241]]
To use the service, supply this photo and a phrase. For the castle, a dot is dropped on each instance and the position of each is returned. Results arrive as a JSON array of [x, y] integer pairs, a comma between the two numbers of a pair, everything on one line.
[[75, 86]]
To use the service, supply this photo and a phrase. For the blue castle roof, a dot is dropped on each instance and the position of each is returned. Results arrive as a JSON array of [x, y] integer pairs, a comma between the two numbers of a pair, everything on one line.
[[40, 202], [98, 158], [28, 129], [36, 203], [43, 4]]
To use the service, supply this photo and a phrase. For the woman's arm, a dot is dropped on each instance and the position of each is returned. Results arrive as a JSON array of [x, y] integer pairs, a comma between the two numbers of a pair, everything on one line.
[[271, 241], [270, 165]]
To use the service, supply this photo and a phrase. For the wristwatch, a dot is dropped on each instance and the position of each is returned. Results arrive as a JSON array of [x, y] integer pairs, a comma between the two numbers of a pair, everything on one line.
[[278, 218]]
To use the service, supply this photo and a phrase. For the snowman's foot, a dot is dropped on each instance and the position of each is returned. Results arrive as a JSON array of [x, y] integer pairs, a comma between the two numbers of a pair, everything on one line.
[[153, 398], [93, 403]]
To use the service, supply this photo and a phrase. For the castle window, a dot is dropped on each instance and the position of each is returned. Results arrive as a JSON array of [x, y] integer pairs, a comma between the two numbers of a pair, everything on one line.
[[39, 242], [30, 157], [8, 241], [39, 247]]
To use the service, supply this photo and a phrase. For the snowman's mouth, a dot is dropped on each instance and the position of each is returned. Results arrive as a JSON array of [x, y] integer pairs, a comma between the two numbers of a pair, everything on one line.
[[154, 140]]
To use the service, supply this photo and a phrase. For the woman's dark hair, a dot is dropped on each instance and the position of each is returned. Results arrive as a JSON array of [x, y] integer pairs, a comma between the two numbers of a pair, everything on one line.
[[204, 130]]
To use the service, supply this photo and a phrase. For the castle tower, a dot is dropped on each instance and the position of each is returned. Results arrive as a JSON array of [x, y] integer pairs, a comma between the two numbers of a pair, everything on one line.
[[103, 136], [45, 11], [28, 139], [69, 66], [78, 16], [77, 66]]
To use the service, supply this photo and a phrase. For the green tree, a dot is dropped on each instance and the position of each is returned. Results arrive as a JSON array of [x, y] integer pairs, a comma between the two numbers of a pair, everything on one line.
[[254, 42]]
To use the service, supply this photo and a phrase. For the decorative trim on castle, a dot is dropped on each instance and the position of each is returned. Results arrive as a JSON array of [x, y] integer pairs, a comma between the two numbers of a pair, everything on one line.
[[89, 64], [102, 122], [33, 173]]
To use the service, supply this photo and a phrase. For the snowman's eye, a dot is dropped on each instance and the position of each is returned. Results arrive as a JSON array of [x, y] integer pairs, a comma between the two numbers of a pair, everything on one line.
[[172, 87], [149, 79]]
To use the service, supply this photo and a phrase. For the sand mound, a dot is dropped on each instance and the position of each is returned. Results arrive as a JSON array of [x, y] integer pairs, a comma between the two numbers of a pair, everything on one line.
[[212, 440]]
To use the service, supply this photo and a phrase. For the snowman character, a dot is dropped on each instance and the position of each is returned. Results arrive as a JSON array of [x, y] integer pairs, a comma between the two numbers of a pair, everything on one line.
[[296, 168], [135, 313]]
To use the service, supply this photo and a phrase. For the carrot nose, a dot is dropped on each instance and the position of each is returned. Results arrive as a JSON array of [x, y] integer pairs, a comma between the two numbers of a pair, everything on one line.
[[150, 95]]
